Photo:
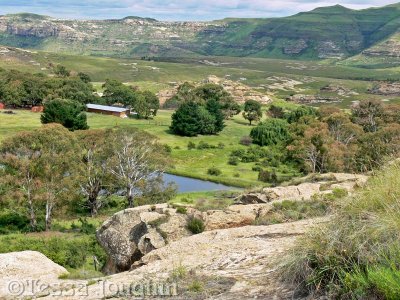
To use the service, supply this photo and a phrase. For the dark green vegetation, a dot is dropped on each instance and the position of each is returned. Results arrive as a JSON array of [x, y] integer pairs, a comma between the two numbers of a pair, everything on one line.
[[65, 112], [52, 170], [329, 32], [356, 254]]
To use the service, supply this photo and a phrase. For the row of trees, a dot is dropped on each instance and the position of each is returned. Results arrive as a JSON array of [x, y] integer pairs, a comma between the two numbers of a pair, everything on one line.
[[45, 170], [330, 139], [19, 89]]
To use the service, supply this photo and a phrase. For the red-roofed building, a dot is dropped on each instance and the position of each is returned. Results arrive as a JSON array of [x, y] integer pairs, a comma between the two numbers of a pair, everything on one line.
[[2, 106]]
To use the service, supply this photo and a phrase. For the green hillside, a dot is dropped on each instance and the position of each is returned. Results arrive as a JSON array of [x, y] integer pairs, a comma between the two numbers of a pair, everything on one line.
[[323, 33]]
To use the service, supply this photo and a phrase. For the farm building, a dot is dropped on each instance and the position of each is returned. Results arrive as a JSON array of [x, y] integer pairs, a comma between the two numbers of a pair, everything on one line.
[[2, 106], [37, 109], [108, 110]]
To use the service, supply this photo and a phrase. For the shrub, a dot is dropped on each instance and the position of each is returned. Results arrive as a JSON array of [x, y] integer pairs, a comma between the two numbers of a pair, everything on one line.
[[233, 160], [13, 222], [195, 225], [214, 171], [181, 210], [191, 145], [221, 146], [65, 112], [203, 145], [246, 140], [167, 148], [270, 132]]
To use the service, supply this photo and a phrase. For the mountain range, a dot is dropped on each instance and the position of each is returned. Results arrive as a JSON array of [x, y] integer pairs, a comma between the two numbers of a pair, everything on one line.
[[334, 32]]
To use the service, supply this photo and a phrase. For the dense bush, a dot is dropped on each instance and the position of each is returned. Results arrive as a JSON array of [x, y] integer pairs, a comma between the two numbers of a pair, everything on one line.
[[70, 114], [246, 140], [270, 132], [66, 250], [13, 222], [214, 171], [195, 225]]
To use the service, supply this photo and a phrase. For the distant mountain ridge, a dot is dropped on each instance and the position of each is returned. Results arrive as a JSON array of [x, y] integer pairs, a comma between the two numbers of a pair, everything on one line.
[[328, 32]]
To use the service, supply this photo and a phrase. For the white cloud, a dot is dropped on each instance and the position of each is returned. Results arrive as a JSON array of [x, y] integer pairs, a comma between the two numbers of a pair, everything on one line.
[[175, 9]]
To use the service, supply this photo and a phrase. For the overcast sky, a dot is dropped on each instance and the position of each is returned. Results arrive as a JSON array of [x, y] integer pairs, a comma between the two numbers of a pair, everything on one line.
[[174, 9]]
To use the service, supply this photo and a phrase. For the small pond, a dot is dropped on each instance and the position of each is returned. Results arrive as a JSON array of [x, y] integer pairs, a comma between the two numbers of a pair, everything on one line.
[[186, 184]]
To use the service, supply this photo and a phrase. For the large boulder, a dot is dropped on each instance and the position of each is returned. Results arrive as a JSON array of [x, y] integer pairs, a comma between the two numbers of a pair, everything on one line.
[[27, 274], [234, 263], [134, 232]]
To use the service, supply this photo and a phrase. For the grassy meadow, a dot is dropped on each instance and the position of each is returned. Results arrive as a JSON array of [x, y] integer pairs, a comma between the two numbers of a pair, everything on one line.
[[191, 163]]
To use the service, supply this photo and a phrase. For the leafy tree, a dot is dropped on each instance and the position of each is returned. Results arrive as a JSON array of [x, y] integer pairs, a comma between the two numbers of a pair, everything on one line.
[[185, 121], [368, 114], [84, 77], [65, 112], [275, 112], [214, 108], [42, 164], [270, 132], [252, 111], [302, 111], [61, 71], [192, 118], [146, 104], [136, 159], [94, 175]]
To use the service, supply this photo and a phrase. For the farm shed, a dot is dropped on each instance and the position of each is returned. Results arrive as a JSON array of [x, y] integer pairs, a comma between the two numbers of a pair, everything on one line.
[[2, 106], [108, 110]]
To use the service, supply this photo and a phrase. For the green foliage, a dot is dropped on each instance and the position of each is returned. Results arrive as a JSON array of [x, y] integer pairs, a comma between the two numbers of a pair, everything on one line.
[[270, 132], [195, 225], [192, 119], [302, 111], [67, 113], [191, 145], [214, 171], [13, 222], [68, 251], [252, 111], [357, 252], [61, 71], [181, 210], [267, 176]]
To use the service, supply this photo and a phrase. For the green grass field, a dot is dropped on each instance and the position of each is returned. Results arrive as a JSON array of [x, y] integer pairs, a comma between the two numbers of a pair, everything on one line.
[[191, 163]]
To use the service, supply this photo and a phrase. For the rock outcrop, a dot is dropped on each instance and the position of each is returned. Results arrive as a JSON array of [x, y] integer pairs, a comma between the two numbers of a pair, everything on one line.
[[314, 185], [26, 273], [386, 89], [235, 263], [132, 233]]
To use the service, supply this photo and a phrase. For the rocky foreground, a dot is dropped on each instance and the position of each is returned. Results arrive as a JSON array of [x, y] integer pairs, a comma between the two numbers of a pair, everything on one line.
[[153, 254]]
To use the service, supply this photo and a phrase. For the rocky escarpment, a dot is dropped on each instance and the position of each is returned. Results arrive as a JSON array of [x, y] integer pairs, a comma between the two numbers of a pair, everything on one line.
[[310, 187], [328, 32], [239, 91], [386, 89], [312, 99], [133, 233]]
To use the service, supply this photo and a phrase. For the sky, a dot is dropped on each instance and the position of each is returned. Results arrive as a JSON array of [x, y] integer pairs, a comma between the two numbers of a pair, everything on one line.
[[177, 10]]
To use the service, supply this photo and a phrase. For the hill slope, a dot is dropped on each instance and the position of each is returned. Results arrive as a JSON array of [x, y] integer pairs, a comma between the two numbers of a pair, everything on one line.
[[329, 32]]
